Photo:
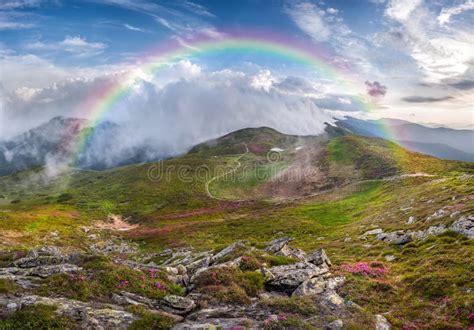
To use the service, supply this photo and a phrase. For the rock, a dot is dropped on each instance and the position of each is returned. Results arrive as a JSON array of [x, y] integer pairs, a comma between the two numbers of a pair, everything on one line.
[[45, 271], [438, 214], [214, 324], [381, 323], [198, 264], [333, 299], [411, 220], [333, 283], [310, 286], [12, 306], [288, 251], [431, 231], [390, 257], [277, 244], [464, 226], [177, 305], [347, 239], [228, 250], [289, 277], [319, 258], [127, 298], [334, 325], [397, 237], [371, 232]]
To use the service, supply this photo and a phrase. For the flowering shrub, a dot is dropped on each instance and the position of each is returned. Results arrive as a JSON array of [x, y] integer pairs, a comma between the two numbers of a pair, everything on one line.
[[249, 263], [373, 268]]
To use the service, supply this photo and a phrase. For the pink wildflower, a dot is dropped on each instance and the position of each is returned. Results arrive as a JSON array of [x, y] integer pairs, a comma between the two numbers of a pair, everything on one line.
[[153, 272], [471, 316], [281, 317]]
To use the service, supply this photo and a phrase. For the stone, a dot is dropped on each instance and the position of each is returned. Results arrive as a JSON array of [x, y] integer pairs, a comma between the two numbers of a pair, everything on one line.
[[464, 226], [45, 271], [333, 283], [288, 277], [333, 299], [288, 251], [277, 244], [411, 220], [228, 250], [390, 257], [310, 286], [319, 258], [396, 238], [334, 325], [371, 232], [381, 323], [177, 305], [12, 306]]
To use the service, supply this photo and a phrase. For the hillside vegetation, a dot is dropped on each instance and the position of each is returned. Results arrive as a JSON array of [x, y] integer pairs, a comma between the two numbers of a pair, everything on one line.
[[390, 220]]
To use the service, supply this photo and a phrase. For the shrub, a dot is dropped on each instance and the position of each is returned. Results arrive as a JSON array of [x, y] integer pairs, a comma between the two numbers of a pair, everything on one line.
[[373, 268], [149, 320], [293, 305], [7, 286], [251, 282], [249, 263], [35, 317]]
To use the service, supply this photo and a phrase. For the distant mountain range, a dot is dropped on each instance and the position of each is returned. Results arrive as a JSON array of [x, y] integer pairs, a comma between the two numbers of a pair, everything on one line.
[[50, 143], [440, 142]]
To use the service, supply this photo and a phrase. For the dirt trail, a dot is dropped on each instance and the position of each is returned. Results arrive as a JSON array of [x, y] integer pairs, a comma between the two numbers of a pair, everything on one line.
[[239, 164]]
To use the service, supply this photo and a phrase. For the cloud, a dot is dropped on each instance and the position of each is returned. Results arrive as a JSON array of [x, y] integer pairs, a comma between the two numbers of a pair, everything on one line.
[[446, 13], [12, 20], [463, 84], [424, 99], [19, 4], [310, 19], [133, 28], [375, 89], [401, 10], [76, 45]]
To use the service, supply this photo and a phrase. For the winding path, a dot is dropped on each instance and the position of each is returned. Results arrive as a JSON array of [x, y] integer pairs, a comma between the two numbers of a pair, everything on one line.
[[239, 164]]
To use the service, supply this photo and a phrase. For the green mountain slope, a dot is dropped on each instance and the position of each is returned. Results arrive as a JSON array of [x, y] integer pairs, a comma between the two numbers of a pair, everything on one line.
[[323, 193]]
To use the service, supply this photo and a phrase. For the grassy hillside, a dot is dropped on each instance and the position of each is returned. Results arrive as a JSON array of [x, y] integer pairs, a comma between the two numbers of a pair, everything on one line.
[[355, 185]]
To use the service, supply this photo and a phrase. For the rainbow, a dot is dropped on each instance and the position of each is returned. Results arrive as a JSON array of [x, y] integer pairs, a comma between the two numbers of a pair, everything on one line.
[[294, 51]]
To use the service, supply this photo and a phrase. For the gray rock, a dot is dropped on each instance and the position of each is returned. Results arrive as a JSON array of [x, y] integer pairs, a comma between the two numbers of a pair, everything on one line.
[[228, 250], [390, 257], [310, 286], [331, 298], [397, 237], [381, 323], [464, 226], [411, 220], [177, 305], [371, 232], [335, 325], [45, 271], [277, 244], [333, 283], [288, 251], [319, 258], [288, 277]]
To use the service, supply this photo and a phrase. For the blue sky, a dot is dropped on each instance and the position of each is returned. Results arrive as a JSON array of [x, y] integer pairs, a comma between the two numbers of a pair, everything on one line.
[[419, 52]]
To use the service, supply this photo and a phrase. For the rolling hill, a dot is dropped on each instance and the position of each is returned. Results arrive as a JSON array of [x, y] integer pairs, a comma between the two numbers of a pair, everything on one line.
[[395, 224]]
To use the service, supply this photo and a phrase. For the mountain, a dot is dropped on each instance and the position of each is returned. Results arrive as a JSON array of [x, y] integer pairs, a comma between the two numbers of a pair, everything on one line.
[[52, 143], [440, 142], [255, 228]]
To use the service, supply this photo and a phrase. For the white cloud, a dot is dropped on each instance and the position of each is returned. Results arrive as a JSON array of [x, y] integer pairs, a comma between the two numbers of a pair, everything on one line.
[[12, 20], [133, 28], [18, 4], [401, 10], [76, 44], [446, 13], [310, 19]]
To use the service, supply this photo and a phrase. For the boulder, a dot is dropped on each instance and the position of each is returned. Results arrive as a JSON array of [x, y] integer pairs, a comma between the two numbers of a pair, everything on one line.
[[310, 286], [464, 226], [288, 277], [277, 244], [381, 323], [227, 251], [288, 251], [332, 299], [371, 232], [177, 305], [396, 238], [319, 258], [335, 325]]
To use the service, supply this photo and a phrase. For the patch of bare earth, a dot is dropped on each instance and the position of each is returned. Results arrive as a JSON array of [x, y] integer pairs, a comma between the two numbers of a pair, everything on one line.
[[116, 223], [305, 176]]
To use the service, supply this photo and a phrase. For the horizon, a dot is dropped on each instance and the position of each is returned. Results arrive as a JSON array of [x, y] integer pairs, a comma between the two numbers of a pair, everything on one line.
[[374, 59]]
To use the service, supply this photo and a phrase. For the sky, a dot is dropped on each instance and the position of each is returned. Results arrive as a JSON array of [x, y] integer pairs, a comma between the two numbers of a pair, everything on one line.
[[408, 59]]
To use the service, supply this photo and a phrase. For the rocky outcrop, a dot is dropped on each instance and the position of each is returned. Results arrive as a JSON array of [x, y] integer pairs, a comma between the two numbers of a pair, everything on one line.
[[177, 305], [381, 323], [464, 226]]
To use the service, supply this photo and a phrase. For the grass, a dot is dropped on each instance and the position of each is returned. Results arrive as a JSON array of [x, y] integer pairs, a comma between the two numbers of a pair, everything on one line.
[[427, 284], [35, 317]]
